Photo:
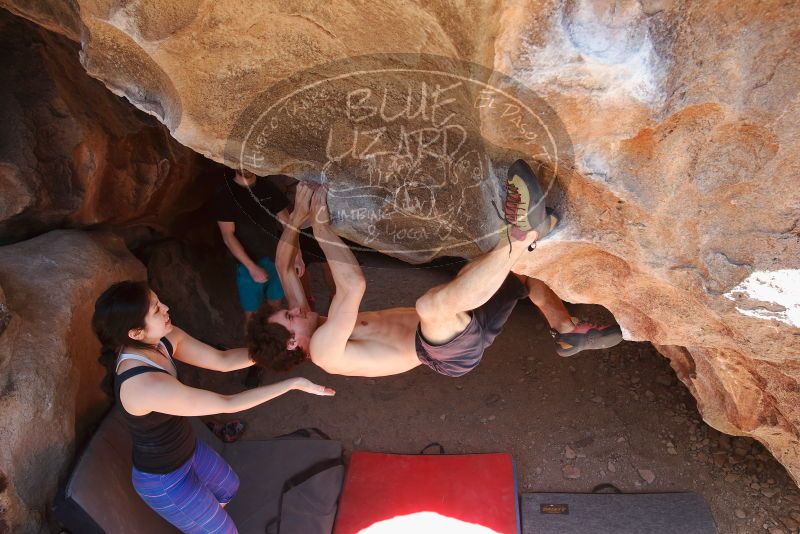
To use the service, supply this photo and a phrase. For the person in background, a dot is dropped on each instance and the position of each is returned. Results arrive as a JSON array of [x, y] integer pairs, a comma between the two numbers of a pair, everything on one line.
[[250, 211]]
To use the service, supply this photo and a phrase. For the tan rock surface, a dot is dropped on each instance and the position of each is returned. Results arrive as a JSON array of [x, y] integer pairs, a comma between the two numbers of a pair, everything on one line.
[[679, 193], [48, 369]]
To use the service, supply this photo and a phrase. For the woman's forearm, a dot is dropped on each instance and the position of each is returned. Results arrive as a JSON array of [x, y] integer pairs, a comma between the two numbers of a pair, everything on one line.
[[253, 397], [236, 359], [165, 394]]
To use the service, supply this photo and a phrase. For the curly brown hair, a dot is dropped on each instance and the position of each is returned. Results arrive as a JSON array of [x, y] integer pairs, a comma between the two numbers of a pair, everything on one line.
[[266, 343]]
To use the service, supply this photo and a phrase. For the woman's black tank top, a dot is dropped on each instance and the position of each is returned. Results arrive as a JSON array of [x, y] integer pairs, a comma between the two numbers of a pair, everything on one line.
[[161, 442]]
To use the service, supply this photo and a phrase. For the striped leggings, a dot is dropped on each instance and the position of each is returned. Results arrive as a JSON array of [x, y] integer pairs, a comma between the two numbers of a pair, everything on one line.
[[190, 496]]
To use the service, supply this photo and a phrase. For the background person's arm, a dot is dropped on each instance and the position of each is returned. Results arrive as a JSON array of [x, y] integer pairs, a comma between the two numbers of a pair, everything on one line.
[[289, 249], [299, 265], [228, 229]]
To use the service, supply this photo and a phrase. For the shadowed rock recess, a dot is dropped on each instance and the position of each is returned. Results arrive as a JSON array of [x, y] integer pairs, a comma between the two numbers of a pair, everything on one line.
[[668, 134], [73, 154]]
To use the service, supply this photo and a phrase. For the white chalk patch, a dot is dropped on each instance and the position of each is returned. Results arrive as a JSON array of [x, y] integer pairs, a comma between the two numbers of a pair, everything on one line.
[[780, 289], [594, 166], [607, 62], [626, 334]]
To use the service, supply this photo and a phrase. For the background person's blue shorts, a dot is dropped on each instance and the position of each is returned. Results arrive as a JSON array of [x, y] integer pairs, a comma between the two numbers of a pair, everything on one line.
[[252, 294]]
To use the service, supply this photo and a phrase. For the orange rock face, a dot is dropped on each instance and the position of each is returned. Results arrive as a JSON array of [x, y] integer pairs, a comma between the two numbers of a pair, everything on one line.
[[678, 192]]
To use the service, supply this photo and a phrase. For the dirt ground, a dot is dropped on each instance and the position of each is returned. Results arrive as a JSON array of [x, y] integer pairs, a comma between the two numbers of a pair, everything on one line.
[[617, 415]]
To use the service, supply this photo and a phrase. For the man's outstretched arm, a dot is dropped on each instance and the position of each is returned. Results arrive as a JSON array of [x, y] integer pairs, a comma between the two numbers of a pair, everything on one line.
[[289, 248], [347, 273], [330, 339]]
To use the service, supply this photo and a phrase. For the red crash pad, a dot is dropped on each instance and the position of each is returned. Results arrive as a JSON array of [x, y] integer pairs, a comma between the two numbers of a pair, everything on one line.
[[473, 494]]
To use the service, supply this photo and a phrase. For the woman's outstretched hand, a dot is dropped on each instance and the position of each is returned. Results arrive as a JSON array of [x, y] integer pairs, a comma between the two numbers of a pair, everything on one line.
[[303, 384]]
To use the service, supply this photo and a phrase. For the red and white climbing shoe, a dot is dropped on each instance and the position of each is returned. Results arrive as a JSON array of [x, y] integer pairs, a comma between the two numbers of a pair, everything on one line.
[[587, 336]]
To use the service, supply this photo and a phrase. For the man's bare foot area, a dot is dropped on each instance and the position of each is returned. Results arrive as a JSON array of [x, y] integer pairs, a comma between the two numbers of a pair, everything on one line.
[[531, 236], [517, 234]]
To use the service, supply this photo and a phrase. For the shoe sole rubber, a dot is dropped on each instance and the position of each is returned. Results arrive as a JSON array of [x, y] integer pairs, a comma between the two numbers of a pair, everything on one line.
[[608, 338]]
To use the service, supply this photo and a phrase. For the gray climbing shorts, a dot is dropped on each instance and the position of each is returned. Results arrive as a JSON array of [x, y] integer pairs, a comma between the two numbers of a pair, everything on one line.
[[463, 353]]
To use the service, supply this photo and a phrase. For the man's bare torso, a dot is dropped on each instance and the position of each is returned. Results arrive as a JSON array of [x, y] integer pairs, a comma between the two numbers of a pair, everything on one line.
[[382, 343]]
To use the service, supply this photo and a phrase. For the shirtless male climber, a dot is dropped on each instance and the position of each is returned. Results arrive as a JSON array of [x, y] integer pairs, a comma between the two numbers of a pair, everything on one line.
[[451, 324]]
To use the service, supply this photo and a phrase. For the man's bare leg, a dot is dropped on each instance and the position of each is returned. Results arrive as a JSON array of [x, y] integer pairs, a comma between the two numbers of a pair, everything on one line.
[[443, 310], [549, 304], [571, 335]]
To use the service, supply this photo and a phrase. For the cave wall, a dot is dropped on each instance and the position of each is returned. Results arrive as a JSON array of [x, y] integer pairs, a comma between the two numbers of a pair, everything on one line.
[[678, 187], [74, 155], [50, 395], [678, 190]]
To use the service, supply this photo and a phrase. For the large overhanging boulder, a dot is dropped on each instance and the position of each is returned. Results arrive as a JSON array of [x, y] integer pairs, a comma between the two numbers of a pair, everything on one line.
[[668, 136]]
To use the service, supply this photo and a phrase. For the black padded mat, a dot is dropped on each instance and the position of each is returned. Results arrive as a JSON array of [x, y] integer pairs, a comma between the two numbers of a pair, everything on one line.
[[604, 513], [262, 467]]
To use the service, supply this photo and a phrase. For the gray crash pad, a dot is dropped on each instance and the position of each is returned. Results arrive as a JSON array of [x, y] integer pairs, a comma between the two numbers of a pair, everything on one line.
[[615, 513]]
